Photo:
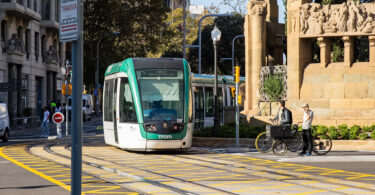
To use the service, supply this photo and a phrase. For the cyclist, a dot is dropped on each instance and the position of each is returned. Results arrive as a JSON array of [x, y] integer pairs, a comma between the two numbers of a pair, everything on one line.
[[308, 116]]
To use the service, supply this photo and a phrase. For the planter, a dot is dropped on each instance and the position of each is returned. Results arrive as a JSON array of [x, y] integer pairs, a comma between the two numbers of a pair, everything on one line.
[[353, 145]]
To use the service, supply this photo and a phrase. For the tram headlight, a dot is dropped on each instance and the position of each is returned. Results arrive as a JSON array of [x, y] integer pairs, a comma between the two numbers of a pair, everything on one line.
[[175, 127], [150, 128], [153, 128]]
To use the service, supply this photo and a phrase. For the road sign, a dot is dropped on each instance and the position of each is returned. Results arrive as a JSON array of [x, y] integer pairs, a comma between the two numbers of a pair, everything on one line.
[[58, 118], [95, 92], [68, 20]]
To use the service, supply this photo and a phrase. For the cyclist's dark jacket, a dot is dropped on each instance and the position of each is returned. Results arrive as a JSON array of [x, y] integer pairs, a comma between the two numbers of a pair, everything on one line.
[[286, 117]]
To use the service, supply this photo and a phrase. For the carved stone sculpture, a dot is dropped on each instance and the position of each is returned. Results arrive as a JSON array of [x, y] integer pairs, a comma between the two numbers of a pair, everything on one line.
[[347, 18], [256, 9], [51, 55], [14, 45]]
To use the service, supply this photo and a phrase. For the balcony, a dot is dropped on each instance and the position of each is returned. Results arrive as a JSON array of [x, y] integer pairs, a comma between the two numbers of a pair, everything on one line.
[[50, 25], [19, 8], [14, 50]]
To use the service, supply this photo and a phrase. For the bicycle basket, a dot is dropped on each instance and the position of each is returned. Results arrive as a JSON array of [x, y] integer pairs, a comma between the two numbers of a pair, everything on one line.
[[278, 131]]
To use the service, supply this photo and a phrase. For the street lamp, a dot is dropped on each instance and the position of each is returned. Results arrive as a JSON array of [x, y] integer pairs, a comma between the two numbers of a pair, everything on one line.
[[97, 71], [215, 36]]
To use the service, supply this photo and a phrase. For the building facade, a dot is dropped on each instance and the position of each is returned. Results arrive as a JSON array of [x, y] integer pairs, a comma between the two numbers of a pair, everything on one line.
[[31, 57]]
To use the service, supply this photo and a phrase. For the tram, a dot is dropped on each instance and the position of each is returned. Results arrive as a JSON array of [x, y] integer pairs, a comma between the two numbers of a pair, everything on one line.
[[203, 98], [147, 104]]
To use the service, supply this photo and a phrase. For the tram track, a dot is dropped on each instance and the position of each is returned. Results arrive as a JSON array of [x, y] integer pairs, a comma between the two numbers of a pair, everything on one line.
[[292, 177], [198, 161], [28, 150], [48, 149]]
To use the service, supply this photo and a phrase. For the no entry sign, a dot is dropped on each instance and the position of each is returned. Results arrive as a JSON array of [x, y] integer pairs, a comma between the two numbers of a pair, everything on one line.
[[58, 118], [68, 20]]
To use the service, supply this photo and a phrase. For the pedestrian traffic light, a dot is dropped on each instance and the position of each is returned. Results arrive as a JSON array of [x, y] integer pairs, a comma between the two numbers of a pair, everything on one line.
[[237, 74], [233, 91], [64, 91]]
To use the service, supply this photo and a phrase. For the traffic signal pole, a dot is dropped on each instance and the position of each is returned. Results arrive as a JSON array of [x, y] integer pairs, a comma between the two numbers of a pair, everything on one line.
[[237, 76], [77, 82]]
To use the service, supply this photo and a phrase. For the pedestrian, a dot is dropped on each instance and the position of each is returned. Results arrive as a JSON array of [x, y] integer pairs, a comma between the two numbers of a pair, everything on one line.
[[45, 123], [284, 115], [58, 108], [308, 116]]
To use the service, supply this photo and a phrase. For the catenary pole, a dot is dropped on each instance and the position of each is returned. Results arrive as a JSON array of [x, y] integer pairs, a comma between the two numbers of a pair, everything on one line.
[[77, 83]]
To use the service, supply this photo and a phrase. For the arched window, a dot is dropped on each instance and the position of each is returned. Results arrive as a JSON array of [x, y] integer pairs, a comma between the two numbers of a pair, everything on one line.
[[36, 46], [27, 43], [4, 34], [44, 46]]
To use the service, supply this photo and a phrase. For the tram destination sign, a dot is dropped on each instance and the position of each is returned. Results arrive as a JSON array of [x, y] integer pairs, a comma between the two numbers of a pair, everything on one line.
[[68, 20]]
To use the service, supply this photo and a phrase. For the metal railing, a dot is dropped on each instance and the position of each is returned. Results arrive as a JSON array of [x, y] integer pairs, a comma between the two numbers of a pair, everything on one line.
[[20, 123]]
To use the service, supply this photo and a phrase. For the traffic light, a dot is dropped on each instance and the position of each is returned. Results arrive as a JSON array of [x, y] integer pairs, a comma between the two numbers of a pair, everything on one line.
[[233, 91], [64, 91], [237, 74]]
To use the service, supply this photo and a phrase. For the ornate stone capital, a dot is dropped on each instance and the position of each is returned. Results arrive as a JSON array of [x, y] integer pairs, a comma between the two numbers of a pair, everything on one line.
[[322, 42], [347, 41], [257, 9]]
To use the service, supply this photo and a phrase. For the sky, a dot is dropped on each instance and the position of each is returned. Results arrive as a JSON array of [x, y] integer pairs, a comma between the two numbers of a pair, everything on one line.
[[224, 9]]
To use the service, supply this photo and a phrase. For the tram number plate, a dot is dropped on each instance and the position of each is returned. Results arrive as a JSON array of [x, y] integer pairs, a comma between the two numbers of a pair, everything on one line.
[[165, 136]]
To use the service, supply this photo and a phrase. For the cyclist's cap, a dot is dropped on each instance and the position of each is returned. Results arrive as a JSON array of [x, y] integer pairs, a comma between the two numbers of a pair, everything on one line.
[[304, 105]]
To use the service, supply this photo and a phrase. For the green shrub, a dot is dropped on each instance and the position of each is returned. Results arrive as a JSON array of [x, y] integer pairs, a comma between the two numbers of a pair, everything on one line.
[[333, 133], [321, 129], [363, 136], [373, 135], [344, 131], [354, 132], [229, 131], [372, 127], [366, 129]]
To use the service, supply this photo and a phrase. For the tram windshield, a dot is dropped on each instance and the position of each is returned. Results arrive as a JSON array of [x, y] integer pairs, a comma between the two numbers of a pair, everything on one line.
[[162, 94]]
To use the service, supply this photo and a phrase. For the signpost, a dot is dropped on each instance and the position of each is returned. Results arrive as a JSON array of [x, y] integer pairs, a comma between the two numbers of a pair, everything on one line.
[[71, 29], [68, 20], [58, 118]]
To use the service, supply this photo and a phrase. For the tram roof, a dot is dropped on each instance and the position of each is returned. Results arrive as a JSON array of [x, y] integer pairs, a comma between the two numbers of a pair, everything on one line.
[[209, 79], [144, 63]]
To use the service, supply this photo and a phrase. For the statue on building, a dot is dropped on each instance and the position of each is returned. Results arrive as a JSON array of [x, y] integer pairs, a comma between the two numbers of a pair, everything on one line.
[[51, 54], [14, 44], [343, 17]]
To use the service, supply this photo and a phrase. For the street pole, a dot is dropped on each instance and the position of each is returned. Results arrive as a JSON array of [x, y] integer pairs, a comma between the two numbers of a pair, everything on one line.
[[237, 108], [97, 71], [184, 27], [77, 82], [233, 41], [216, 110], [67, 107]]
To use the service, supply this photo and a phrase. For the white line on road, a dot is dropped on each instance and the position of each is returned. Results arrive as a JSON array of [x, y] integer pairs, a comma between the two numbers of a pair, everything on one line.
[[3, 162]]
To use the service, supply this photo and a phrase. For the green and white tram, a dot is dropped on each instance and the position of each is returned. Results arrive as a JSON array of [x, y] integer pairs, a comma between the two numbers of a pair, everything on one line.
[[147, 104]]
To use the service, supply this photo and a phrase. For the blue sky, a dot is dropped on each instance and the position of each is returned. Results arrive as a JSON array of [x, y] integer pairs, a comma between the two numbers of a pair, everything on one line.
[[224, 9]]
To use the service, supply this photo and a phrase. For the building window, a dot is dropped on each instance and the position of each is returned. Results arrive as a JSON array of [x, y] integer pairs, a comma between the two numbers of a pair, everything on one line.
[[19, 32], [27, 43], [44, 46], [4, 35], [337, 52], [36, 46], [361, 49], [45, 10], [28, 3], [57, 10], [36, 5]]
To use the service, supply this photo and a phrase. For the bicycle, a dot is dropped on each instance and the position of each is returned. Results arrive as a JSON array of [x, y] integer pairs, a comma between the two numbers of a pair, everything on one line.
[[292, 142], [264, 143], [322, 144]]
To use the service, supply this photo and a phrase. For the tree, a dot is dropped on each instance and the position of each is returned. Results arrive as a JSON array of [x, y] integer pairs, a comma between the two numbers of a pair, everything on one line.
[[140, 22], [229, 27], [237, 6]]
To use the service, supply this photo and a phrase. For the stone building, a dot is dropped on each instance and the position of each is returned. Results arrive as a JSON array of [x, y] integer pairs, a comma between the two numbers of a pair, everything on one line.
[[339, 91], [31, 56]]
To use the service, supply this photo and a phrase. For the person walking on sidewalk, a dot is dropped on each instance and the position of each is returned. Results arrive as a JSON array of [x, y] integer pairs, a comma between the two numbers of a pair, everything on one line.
[[308, 116], [45, 123]]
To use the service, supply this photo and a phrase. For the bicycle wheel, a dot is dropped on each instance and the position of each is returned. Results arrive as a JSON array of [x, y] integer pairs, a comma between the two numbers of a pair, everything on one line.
[[296, 143], [263, 143], [279, 148], [322, 144]]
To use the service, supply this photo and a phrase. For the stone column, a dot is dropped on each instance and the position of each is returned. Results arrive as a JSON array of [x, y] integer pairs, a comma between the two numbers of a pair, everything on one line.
[[256, 45], [325, 51], [372, 49], [299, 50], [52, 10], [348, 50]]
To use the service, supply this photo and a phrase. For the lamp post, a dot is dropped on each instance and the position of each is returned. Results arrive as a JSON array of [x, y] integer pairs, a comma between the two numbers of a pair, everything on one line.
[[97, 71], [215, 35]]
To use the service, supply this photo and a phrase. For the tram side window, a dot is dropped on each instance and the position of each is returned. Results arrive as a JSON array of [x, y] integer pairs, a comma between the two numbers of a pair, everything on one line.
[[127, 109], [209, 101], [108, 97]]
